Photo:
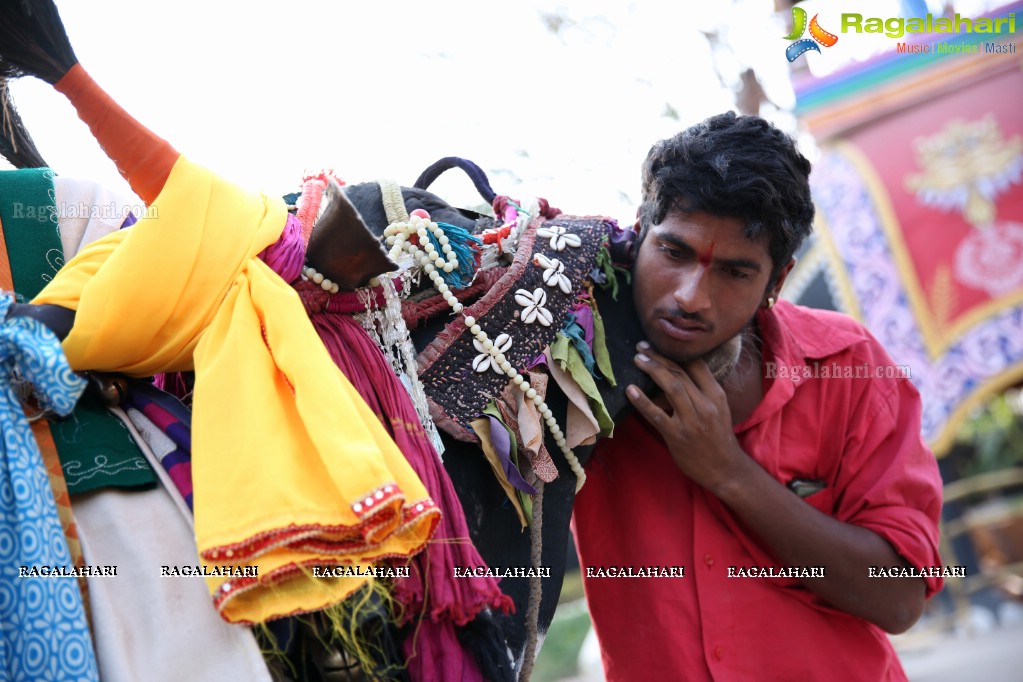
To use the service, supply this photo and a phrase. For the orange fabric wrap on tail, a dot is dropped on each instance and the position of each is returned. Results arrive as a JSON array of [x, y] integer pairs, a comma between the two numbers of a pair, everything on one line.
[[143, 158]]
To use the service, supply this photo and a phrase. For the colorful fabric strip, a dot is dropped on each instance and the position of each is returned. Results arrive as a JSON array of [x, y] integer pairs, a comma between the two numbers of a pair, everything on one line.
[[175, 421]]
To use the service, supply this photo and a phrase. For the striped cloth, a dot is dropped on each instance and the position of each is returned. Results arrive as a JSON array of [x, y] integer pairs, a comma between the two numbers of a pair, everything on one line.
[[174, 420]]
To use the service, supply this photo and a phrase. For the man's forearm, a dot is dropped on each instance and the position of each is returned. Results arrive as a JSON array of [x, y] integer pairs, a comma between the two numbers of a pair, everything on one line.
[[796, 534]]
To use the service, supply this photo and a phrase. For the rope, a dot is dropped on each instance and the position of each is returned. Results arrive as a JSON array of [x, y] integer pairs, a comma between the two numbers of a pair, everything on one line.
[[475, 173], [394, 203], [535, 585]]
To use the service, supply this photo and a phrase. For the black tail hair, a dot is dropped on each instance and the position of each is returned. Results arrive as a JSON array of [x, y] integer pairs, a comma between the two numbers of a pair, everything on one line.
[[16, 144], [483, 637], [33, 41]]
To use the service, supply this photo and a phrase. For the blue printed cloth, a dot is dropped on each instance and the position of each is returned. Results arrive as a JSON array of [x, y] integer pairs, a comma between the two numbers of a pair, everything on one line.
[[43, 630]]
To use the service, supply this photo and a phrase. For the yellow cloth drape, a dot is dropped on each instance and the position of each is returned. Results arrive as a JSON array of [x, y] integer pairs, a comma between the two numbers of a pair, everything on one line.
[[291, 469]]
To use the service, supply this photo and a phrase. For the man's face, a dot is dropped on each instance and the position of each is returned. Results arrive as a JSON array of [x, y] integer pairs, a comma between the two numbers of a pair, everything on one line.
[[698, 282]]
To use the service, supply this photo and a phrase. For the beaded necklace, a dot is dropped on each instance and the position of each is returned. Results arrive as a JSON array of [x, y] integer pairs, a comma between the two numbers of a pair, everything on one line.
[[412, 238]]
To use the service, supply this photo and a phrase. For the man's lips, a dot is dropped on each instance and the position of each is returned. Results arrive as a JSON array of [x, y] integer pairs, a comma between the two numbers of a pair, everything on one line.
[[681, 329]]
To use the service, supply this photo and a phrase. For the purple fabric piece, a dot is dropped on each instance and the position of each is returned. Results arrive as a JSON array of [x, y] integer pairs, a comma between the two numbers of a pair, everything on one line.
[[129, 220], [502, 446], [584, 318], [620, 244], [619, 234], [540, 359], [286, 255]]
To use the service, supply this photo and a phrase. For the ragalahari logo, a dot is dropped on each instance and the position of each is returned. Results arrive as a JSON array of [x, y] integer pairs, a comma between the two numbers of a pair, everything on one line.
[[818, 35]]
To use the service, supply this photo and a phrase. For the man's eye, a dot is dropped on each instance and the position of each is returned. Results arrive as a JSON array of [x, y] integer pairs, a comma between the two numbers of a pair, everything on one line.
[[737, 274], [670, 252]]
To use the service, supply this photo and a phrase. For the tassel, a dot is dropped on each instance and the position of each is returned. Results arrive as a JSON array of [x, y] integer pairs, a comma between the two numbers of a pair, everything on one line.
[[33, 41], [466, 247], [506, 447], [365, 627]]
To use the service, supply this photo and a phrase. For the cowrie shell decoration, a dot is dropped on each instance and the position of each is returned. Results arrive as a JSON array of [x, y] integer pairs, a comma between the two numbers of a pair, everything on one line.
[[485, 360], [560, 237], [553, 273], [533, 304]]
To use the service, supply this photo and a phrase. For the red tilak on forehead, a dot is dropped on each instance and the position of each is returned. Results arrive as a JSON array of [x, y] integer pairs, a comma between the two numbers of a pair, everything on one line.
[[707, 258]]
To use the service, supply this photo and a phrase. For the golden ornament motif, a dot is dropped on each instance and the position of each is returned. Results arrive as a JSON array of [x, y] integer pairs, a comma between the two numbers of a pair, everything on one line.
[[966, 167]]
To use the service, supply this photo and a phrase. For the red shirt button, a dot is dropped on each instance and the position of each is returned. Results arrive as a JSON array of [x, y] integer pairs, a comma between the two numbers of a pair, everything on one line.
[[708, 559], [719, 652]]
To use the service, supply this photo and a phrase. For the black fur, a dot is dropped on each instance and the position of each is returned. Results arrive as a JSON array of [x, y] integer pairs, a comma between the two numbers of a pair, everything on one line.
[[492, 522], [16, 145]]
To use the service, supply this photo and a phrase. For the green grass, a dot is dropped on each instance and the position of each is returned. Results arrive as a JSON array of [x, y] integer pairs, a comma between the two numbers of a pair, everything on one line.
[[572, 588]]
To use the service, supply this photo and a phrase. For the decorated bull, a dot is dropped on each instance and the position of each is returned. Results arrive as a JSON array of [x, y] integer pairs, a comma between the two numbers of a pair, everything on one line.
[[314, 459]]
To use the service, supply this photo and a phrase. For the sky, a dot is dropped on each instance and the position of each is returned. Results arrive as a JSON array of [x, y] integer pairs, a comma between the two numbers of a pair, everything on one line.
[[560, 100]]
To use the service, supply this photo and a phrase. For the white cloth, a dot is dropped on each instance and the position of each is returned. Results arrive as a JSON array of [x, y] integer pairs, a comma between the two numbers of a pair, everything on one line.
[[147, 626], [87, 211]]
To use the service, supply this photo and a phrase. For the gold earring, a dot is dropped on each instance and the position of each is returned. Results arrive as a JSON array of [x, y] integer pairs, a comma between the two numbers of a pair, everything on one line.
[[770, 302]]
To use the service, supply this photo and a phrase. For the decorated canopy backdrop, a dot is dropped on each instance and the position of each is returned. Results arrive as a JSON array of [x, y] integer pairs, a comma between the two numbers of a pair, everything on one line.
[[919, 193]]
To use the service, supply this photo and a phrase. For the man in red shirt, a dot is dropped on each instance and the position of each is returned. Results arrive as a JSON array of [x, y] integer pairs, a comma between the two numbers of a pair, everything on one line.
[[779, 460]]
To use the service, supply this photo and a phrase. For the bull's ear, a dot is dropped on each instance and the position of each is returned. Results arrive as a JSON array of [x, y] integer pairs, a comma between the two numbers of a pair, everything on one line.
[[342, 247]]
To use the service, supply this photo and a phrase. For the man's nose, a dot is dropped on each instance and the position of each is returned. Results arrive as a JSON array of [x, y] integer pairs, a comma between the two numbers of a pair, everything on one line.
[[693, 290]]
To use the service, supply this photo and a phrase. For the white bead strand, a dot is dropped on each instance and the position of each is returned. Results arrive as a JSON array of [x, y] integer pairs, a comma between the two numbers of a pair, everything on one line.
[[315, 277], [402, 236]]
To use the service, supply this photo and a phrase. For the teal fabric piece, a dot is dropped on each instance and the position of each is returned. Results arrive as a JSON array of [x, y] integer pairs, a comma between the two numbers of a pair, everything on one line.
[[564, 353]]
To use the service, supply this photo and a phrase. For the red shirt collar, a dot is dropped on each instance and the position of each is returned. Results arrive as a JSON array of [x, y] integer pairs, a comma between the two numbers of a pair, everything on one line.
[[791, 335]]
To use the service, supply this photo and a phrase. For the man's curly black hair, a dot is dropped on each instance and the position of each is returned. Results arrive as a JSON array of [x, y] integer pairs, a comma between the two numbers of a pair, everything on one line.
[[736, 167]]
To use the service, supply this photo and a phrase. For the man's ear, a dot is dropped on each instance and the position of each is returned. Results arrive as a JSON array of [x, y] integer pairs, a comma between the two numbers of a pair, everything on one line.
[[634, 246], [342, 247], [775, 291]]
